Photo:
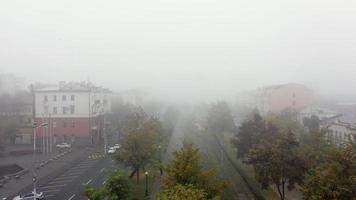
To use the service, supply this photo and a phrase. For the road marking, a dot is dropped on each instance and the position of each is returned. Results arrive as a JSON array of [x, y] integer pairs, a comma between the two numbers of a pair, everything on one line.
[[60, 181], [65, 178], [102, 170], [84, 164], [69, 176], [49, 191], [70, 198], [74, 170], [81, 168], [53, 186], [73, 174], [88, 182]]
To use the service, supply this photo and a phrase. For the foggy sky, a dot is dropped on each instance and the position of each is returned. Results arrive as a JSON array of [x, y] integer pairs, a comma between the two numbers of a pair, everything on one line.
[[182, 48]]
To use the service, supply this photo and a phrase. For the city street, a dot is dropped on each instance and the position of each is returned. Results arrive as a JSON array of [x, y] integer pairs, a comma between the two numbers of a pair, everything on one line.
[[89, 168]]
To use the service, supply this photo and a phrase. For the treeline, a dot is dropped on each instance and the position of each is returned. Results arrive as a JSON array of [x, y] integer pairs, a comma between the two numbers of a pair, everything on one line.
[[143, 139], [283, 154], [286, 156]]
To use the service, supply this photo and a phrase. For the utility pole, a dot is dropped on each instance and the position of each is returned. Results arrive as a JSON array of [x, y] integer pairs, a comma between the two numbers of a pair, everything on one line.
[[34, 126], [104, 121], [47, 136], [104, 130], [44, 126], [50, 133], [43, 136]]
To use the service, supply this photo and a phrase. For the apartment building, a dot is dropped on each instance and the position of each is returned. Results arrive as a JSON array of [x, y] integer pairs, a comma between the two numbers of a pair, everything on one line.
[[73, 111]]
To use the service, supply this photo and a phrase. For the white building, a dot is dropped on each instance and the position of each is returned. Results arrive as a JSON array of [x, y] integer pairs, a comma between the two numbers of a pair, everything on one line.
[[342, 130], [73, 110]]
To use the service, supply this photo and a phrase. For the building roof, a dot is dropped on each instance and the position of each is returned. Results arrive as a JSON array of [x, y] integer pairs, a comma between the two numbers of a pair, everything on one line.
[[274, 87], [349, 119], [73, 87]]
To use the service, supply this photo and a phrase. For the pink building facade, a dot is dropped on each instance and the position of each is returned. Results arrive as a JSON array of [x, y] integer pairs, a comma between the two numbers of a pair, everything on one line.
[[281, 97]]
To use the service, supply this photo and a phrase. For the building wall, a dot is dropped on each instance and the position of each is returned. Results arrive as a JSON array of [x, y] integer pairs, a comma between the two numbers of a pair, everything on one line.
[[79, 127], [55, 101], [295, 97], [84, 104], [281, 97], [75, 117], [340, 134]]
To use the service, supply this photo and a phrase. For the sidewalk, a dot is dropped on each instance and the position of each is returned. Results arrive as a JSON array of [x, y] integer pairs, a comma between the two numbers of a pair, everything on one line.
[[156, 187]]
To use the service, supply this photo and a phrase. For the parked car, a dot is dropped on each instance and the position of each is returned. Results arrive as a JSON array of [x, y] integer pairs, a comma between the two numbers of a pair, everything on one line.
[[116, 146], [111, 150], [63, 145], [29, 196]]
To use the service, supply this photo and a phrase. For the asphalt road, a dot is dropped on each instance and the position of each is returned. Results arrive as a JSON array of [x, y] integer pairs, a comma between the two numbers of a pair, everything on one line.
[[69, 182]]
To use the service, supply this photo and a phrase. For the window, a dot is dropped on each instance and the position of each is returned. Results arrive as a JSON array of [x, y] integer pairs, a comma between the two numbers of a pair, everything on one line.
[[73, 124], [45, 98], [64, 124], [72, 97], [64, 110], [64, 97], [54, 98], [54, 110], [71, 109]]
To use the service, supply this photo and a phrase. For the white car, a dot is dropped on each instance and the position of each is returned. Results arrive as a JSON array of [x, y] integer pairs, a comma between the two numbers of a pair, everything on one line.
[[29, 196], [116, 146], [63, 145], [111, 150]]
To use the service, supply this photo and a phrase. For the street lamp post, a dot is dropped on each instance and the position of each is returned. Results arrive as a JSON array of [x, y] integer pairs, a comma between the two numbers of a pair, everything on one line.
[[160, 159], [44, 126], [50, 133], [34, 126], [104, 130], [146, 192]]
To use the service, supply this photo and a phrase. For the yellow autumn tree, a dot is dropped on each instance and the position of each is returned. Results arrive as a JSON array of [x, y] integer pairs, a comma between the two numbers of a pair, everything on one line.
[[186, 169]]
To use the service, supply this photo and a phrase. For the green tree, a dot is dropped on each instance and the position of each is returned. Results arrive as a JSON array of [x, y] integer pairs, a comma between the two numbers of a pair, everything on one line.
[[315, 148], [312, 123], [220, 119], [187, 169], [140, 145], [95, 194], [116, 188], [277, 163], [251, 133], [334, 179], [10, 130], [186, 192], [286, 120]]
